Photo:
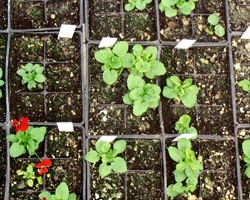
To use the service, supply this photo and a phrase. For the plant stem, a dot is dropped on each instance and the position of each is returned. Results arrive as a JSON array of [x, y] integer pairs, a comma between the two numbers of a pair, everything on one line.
[[38, 157]]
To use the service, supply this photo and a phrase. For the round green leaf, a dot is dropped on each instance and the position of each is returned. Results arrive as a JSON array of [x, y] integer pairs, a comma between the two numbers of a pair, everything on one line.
[[142, 66], [170, 12], [213, 19], [127, 100], [139, 108], [129, 7], [17, 150], [219, 30], [184, 144], [246, 148], [105, 147], [110, 77], [62, 191], [119, 165], [120, 48], [40, 78], [247, 172], [175, 154], [120, 146], [92, 156], [104, 169]]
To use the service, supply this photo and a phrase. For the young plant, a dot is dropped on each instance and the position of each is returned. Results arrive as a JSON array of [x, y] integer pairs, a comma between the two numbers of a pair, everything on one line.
[[184, 92], [170, 7], [214, 20], [114, 61], [31, 74], [145, 62], [245, 84], [26, 141], [187, 169], [246, 157], [142, 95], [29, 176], [139, 4], [182, 126], [1, 82], [62, 193], [108, 157]]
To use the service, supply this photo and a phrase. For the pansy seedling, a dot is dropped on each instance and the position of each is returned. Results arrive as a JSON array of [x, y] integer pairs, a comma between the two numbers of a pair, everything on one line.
[[29, 176], [214, 20], [182, 126], [245, 84]]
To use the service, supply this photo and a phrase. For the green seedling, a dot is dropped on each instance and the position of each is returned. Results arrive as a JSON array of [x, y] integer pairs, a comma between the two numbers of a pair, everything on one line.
[[108, 156], [139, 4], [214, 20], [1, 82], [245, 84], [32, 75], [184, 92], [29, 176], [246, 157], [188, 168], [182, 126], [170, 7], [141, 95]]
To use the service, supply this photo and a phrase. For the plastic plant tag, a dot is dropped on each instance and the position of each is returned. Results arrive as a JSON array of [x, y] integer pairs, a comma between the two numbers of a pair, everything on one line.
[[246, 34], [107, 138], [107, 42], [65, 126], [66, 31], [185, 135], [185, 44]]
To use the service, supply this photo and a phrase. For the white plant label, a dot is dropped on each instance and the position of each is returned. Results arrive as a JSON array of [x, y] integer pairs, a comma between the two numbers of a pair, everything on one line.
[[186, 135], [65, 126], [107, 138], [107, 42], [185, 44], [66, 31], [246, 34]]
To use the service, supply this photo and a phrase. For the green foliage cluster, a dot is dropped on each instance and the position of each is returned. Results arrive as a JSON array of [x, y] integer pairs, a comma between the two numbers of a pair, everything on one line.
[[139, 4], [184, 92], [187, 169], [246, 157], [170, 7], [62, 193], [28, 140], [1, 82], [141, 95], [29, 175], [108, 157], [32, 75], [182, 126], [214, 20], [245, 84]]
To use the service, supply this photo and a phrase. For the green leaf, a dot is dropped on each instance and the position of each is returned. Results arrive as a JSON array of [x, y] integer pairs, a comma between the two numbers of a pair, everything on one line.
[[184, 144], [185, 120], [219, 30], [169, 92], [170, 12], [181, 166], [139, 108], [171, 192], [245, 84], [142, 66], [192, 181], [129, 7], [104, 169], [156, 69], [40, 180], [1, 82], [136, 94], [46, 195], [187, 7], [105, 147], [1, 72], [72, 196], [176, 154], [119, 165], [21, 72], [247, 172], [92, 156], [17, 150], [110, 77], [246, 148], [179, 175], [151, 53], [120, 48], [192, 173], [39, 78], [127, 100], [62, 191], [137, 50], [178, 187], [213, 19], [103, 56], [99, 144], [38, 134], [30, 182], [190, 98], [140, 5], [12, 138], [128, 60], [38, 69], [246, 159], [134, 82], [120, 146]]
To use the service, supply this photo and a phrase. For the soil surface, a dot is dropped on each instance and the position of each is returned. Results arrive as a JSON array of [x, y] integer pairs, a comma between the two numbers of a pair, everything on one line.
[[3, 14]]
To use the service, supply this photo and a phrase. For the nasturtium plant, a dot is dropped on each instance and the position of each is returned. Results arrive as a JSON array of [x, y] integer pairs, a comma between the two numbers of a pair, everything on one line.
[[214, 20], [62, 193], [170, 7], [114, 61], [108, 156], [1, 82], [141, 95], [29, 175], [139, 4], [188, 168], [32, 75], [145, 62], [184, 92], [245, 84], [21, 142], [182, 126]]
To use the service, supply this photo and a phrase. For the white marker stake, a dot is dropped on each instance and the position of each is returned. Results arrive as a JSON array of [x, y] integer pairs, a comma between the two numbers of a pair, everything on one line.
[[65, 126], [66, 31], [185, 44], [107, 138], [246, 34], [186, 135], [107, 42]]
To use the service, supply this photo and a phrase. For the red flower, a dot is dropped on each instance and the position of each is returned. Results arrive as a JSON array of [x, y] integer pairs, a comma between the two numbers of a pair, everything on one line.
[[22, 124], [43, 166], [44, 198]]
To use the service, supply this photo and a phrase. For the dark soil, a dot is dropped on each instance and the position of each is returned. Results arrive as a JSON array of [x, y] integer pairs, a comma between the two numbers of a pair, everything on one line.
[[3, 161], [63, 80], [107, 19], [239, 15], [193, 27], [209, 69], [3, 14], [241, 61], [144, 176], [31, 15]]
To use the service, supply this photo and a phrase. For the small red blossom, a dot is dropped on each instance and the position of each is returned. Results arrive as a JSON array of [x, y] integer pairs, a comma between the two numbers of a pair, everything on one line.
[[43, 166], [44, 198], [22, 124]]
